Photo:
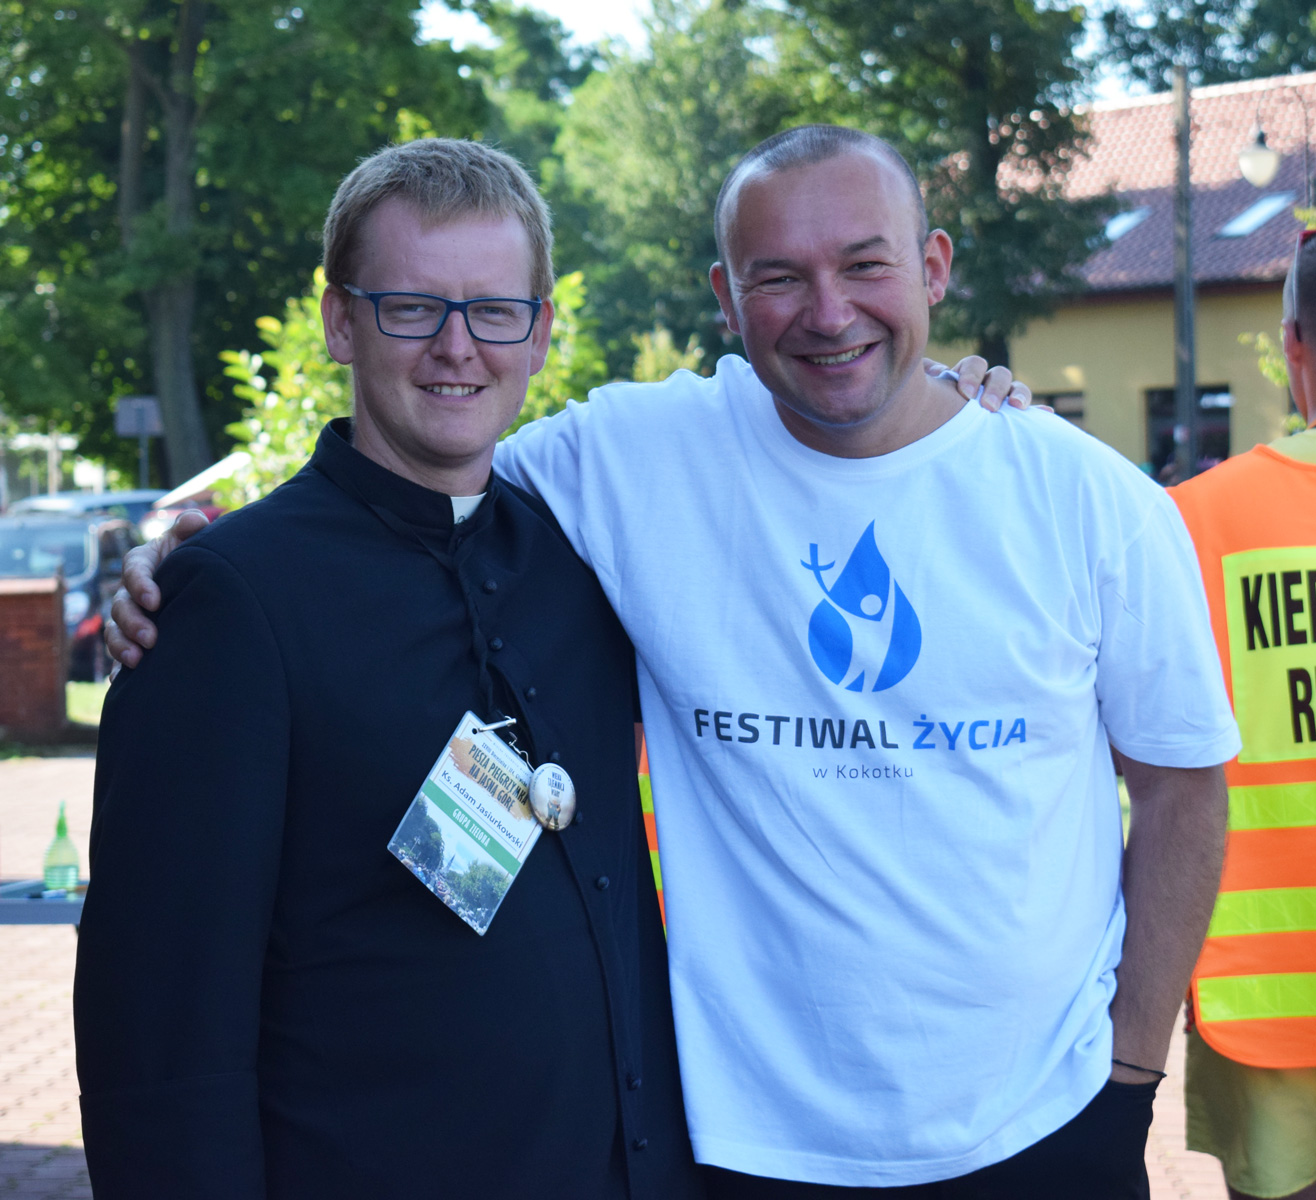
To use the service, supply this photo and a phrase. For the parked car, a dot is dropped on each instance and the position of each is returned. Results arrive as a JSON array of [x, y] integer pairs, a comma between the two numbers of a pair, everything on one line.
[[159, 519], [133, 505], [88, 551]]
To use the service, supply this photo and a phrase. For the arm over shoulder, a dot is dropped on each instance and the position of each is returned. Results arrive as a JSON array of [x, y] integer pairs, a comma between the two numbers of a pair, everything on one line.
[[185, 845]]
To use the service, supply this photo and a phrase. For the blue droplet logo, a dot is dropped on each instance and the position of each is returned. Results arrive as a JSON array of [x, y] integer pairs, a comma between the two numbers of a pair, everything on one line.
[[865, 628]]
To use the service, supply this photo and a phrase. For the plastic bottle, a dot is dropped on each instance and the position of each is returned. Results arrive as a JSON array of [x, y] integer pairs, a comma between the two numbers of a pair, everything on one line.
[[61, 866]]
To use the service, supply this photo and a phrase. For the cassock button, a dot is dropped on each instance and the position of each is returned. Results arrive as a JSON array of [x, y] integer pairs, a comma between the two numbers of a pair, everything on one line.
[[490, 585], [633, 1082], [495, 643], [603, 883], [639, 1143], [555, 757], [531, 693]]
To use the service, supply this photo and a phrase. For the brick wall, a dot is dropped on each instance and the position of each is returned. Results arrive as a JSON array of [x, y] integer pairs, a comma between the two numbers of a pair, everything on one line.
[[32, 658]]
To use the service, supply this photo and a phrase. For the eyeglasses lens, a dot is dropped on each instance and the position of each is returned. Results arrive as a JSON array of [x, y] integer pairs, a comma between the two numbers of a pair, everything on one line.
[[492, 320]]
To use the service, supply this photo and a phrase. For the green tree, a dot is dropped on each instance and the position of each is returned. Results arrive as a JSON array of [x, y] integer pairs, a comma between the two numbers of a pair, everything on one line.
[[657, 356], [1218, 42], [1278, 38], [980, 98], [646, 144], [529, 77], [291, 389], [479, 886], [164, 168], [575, 359]]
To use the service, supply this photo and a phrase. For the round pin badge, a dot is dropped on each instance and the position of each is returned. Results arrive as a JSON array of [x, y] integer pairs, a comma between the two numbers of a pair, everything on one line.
[[552, 796]]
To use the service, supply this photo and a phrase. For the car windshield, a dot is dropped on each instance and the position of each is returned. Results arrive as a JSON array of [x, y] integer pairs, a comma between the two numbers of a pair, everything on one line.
[[35, 550]]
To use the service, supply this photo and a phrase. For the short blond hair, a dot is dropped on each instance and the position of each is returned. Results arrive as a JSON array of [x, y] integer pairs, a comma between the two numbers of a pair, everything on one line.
[[445, 179]]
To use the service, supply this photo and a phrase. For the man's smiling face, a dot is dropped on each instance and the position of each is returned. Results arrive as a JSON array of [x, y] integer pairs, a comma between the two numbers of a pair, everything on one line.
[[828, 287], [432, 409]]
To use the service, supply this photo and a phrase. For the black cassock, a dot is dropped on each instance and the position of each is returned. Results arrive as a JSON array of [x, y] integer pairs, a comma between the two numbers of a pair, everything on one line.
[[268, 1003]]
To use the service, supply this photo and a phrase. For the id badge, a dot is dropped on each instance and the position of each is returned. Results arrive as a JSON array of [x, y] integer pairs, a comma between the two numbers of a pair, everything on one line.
[[470, 827]]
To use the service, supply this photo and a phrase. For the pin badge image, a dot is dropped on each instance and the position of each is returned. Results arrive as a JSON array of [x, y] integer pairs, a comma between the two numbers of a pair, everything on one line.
[[552, 796]]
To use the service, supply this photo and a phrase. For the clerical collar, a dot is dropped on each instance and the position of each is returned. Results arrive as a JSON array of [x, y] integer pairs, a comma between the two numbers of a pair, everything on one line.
[[372, 484]]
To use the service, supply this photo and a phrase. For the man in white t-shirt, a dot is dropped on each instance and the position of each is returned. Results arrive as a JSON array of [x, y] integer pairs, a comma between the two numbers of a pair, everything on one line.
[[883, 641]]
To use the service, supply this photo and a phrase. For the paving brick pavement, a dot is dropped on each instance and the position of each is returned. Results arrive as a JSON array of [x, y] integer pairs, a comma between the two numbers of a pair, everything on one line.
[[41, 1154], [40, 1133]]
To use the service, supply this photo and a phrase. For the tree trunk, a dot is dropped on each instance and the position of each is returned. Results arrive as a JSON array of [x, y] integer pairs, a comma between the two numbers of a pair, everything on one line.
[[995, 348], [171, 301], [170, 308]]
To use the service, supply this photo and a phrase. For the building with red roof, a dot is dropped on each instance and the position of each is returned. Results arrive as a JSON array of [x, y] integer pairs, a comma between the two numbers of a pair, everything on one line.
[[1106, 358]]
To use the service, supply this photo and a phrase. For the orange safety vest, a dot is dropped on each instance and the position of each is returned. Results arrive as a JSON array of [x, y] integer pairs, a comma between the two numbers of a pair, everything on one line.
[[1253, 521], [651, 826]]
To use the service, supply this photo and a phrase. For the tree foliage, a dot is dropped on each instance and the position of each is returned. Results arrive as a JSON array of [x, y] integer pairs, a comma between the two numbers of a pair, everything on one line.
[[575, 359], [164, 169], [657, 356], [1217, 42], [291, 390], [980, 97], [480, 886], [647, 142], [984, 114]]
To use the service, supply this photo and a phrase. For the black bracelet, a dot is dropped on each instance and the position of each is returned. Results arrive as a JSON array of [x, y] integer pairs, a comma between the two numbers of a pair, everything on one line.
[[1119, 1062]]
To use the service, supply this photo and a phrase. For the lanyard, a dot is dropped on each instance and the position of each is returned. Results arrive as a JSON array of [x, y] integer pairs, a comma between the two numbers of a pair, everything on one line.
[[552, 794]]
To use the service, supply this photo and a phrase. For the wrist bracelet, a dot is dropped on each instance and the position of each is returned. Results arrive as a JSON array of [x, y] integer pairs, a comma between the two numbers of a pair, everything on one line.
[[1119, 1062]]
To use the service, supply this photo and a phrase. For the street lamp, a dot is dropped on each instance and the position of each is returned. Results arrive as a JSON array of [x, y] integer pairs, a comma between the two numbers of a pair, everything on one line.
[[1260, 164]]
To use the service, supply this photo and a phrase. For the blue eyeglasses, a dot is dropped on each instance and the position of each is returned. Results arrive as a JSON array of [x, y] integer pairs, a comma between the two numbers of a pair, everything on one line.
[[502, 320]]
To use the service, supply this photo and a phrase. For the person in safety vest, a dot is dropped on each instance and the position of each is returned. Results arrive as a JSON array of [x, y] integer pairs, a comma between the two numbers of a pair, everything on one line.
[[1251, 1065]]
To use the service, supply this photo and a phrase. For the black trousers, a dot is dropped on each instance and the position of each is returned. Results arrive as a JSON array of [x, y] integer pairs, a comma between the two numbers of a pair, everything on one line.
[[1099, 1155]]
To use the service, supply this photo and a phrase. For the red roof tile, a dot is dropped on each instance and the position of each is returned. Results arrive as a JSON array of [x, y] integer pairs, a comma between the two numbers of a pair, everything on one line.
[[1132, 152]]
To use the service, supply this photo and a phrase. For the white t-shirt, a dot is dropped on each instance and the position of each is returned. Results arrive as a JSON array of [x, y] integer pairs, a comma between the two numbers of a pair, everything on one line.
[[877, 695]]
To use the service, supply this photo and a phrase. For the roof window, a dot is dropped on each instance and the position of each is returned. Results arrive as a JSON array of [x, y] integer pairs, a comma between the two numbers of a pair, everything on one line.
[[1121, 223], [1251, 219]]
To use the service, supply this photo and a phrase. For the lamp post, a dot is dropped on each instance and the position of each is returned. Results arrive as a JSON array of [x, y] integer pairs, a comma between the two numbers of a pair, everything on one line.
[[1185, 362]]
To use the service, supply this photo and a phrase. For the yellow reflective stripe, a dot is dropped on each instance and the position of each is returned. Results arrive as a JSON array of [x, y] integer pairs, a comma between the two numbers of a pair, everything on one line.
[[1272, 806], [1257, 997], [646, 803], [1266, 910]]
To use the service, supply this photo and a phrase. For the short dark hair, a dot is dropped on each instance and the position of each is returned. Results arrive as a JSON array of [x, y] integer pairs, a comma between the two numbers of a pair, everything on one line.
[[446, 179], [1300, 286], [807, 144]]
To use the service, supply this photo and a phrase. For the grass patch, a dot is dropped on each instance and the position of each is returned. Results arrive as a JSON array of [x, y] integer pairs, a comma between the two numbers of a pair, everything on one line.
[[83, 701]]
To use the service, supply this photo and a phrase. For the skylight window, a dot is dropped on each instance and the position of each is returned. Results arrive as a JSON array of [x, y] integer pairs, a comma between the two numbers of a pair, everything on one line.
[[1251, 219], [1121, 223]]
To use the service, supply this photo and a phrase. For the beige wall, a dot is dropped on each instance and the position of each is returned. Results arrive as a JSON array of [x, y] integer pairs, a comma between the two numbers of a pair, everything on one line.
[[1114, 352]]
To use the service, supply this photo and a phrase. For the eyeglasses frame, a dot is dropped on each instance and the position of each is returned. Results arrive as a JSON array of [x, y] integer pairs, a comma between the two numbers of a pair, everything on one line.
[[451, 306]]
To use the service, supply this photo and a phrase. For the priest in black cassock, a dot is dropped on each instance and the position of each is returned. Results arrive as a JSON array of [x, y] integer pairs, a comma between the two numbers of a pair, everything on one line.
[[268, 1003]]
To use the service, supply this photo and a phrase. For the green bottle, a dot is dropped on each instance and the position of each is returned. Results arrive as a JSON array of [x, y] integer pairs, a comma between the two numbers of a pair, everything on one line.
[[61, 868]]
